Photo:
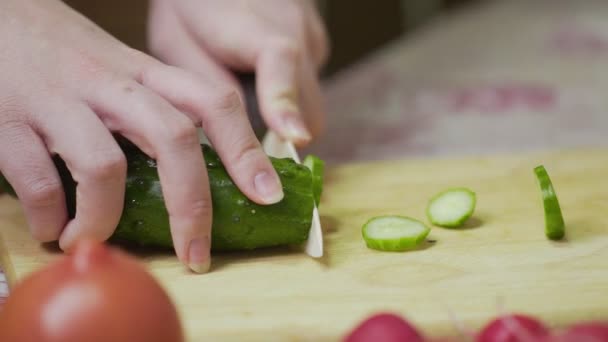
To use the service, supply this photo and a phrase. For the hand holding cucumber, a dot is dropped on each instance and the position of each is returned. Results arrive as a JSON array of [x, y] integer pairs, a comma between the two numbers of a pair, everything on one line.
[[68, 87]]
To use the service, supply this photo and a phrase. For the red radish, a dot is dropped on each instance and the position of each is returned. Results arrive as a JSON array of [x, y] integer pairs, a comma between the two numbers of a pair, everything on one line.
[[446, 339], [513, 328], [384, 327], [584, 332]]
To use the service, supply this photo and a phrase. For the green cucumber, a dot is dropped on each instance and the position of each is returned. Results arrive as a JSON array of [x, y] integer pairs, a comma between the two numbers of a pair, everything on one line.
[[238, 223], [394, 233], [451, 208], [555, 228], [317, 167]]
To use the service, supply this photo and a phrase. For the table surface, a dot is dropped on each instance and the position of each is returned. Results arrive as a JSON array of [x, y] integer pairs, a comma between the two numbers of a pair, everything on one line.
[[501, 77]]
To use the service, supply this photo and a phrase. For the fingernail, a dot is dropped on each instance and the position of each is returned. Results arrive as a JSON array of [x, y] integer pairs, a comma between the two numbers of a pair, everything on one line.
[[295, 129], [268, 187], [286, 102], [199, 259]]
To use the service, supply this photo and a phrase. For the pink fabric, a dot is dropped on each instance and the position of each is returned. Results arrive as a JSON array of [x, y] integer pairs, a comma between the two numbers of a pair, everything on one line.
[[503, 77]]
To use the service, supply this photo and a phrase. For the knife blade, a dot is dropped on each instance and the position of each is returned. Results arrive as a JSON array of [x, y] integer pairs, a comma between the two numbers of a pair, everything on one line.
[[277, 147]]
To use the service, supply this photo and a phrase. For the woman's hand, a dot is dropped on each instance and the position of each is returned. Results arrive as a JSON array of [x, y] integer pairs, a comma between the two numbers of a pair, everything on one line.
[[66, 86], [282, 41]]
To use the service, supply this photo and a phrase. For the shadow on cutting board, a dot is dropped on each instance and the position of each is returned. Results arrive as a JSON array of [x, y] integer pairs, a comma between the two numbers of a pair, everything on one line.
[[222, 259]]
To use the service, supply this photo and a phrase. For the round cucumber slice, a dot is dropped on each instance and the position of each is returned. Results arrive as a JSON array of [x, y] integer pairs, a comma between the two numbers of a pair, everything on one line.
[[452, 207], [554, 221], [317, 167], [394, 233]]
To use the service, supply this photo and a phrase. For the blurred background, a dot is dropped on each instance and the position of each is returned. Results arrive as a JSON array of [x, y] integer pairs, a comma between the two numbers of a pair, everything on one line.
[[427, 78], [356, 27]]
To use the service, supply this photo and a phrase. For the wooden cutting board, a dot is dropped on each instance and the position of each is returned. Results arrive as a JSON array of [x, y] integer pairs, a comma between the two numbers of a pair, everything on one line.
[[500, 261]]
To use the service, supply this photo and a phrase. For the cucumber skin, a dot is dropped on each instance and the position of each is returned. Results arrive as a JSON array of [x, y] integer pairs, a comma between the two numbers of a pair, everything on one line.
[[238, 223], [554, 221]]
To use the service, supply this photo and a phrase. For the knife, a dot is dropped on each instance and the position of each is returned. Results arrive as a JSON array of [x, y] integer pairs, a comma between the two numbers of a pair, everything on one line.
[[277, 147]]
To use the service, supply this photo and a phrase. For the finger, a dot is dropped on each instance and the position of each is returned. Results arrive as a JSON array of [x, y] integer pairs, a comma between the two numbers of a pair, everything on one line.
[[28, 167], [317, 36], [277, 73], [275, 63], [174, 45], [312, 99], [169, 137], [96, 164], [226, 125]]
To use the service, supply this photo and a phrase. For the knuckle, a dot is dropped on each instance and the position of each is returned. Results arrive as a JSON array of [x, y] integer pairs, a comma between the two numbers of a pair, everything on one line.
[[287, 48], [89, 65], [181, 132], [227, 100], [246, 150], [10, 107], [107, 165], [201, 208], [144, 68], [42, 191]]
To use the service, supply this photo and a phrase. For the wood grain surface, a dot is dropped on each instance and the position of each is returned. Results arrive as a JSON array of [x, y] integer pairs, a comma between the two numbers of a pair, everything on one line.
[[500, 261]]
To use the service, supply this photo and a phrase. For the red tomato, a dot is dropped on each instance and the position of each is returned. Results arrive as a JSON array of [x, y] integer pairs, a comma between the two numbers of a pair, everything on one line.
[[96, 293]]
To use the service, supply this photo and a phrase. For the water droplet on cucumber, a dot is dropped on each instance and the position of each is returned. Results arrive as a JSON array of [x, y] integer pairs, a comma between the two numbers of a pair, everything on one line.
[[138, 224], [287, 173]]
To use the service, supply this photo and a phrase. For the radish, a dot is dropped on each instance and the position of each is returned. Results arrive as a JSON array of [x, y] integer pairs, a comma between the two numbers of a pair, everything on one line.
[[584, 332], [513, 328], [384, 327]]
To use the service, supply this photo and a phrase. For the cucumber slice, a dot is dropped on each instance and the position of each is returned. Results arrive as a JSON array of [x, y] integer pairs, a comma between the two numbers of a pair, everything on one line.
[[394, 233], [554, 221], [452, 207], [317, 167]]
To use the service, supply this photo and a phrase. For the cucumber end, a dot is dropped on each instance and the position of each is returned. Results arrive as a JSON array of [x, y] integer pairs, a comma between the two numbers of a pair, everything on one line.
[[555, 228], [317, 168]]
